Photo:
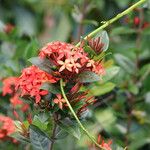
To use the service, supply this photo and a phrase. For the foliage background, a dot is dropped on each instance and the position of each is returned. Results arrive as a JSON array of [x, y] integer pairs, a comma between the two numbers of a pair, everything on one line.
[[122, 112]]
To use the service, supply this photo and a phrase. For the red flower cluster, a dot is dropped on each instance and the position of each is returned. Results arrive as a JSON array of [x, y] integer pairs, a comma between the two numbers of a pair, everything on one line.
[[8, 85], [31, 80], [9, 88], [69, 59], [7, 126], [103, 144]]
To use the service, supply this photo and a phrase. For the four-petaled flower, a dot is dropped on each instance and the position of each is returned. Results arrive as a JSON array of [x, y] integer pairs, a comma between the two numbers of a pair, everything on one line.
[[65, 65], [59, 100], [75, 65], [91, 63]]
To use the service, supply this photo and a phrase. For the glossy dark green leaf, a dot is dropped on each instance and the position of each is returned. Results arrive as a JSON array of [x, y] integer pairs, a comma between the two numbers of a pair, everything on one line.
[[122, 31], [71, 127], [61, 133], [126, 63], [110, 73], [51, 88], [43, 64], [88, 76], [20, 138], [39, 139], [37, 122], [31, 49], [101, 89]]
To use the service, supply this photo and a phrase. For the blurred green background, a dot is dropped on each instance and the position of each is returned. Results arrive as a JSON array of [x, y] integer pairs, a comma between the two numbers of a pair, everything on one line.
[[122, 112]]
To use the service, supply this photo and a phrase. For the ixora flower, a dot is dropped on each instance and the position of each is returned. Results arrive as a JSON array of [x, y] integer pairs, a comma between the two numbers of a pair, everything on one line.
[[31, 80], [8, 85], [59, 100], [69, 60], [103, 144], [7, 126], [9, 88]]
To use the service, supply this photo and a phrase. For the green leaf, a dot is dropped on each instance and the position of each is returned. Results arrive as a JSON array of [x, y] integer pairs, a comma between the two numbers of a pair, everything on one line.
[[39, 139], [133, 88], [43, 116], [50, 87], [37, 122], [122, 30], [70, 127], [104, 39], [100, 56], [89, 50], [88, 76], [139, 143], [43, 64], [122, 4], [31, 49], [106, 118], [125, 63], [101, 89], [61, 133], [110, 73], [20, 138]]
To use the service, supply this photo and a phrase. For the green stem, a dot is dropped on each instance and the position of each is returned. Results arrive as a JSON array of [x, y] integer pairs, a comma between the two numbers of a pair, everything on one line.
[[107, 23], [77, 119]]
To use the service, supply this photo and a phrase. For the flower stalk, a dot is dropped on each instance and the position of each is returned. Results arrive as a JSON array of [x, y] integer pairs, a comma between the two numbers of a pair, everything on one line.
[[107, 23], [77, 119]]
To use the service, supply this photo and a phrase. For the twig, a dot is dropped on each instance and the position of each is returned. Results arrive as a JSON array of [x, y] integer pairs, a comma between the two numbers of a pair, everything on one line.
[[130, 101], [53, 135], [139, 36], [107, 23]]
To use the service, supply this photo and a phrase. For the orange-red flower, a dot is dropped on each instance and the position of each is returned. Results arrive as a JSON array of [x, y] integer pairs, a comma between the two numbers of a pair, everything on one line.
[[103, 144], [68, 59], [65, 65], [7, 126], [98, 68], [59, 100], [31, 80], [8, 84]]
